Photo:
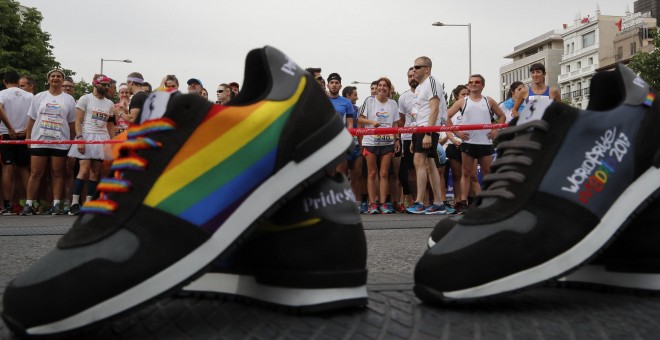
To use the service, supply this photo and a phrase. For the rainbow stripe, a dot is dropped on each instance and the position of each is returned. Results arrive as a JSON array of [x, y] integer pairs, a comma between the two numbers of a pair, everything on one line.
[[229, 155], [150, 126], [129, 163], [99, 207], [650, 98], [109, 184]]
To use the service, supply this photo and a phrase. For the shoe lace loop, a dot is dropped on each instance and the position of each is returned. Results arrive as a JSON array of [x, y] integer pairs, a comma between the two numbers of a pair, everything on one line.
[[129, 160], [505, 169]]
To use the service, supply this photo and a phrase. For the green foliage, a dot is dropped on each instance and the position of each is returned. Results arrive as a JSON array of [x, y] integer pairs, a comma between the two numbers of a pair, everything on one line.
[[646, 64], [81, 88], [24, 47]]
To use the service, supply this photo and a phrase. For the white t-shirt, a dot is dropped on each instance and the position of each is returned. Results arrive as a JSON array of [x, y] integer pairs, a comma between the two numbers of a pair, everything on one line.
[[52, 116], [385, 114], [406, 102], [16, 102], [97, 112], [424, 92]]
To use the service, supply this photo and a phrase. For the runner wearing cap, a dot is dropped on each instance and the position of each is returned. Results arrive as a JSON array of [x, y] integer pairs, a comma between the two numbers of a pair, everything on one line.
[[94, 122]]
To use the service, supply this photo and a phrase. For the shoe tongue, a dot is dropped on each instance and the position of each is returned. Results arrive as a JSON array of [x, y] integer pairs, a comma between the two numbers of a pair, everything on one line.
[[534, 110], [156, 105]]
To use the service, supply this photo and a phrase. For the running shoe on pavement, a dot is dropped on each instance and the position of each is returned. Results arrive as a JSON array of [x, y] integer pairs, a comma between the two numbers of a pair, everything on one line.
[[374, 209], [565, 182], [416, 208], [435, 209], [364, 207], [309, 257], [27, 210], [190, 183], [386, 208]]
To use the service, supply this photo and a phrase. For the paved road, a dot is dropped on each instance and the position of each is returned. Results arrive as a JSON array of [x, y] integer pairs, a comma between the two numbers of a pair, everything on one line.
[[395, 242]]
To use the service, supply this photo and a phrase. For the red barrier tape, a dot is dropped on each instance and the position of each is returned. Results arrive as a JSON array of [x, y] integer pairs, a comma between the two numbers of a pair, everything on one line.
[[422, 129], [78, 141], [355, 132]]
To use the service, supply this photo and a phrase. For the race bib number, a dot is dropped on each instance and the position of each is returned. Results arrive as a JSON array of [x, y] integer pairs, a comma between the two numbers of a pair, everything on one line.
[[51, 126]]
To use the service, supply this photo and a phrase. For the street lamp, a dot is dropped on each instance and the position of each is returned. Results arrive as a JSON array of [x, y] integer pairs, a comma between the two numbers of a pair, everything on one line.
[[469, 26], [128, 61]]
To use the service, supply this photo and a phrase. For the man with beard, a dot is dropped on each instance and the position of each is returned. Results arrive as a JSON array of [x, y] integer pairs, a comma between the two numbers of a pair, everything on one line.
[[94, 121], [406, 167], [343, 107]]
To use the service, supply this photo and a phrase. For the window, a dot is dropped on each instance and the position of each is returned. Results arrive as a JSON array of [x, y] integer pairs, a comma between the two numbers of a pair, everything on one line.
[[619, 53], [572, 47], [568, 48], [590, 61], [568, 68], [589, 39], [579, 65], [633, 48]]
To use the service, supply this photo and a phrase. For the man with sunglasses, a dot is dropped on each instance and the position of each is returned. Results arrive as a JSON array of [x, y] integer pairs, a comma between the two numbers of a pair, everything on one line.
[[316, 73], [476, 144], [429, 109], [94, 122], [224, 94]]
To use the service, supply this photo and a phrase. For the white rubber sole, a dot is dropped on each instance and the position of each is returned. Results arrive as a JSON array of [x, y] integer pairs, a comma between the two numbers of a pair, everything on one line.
[[598, 275], [247, 286], [265, 195], [625, 204]]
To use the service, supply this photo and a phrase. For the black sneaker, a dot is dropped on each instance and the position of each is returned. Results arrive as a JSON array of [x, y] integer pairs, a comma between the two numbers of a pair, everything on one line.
[[27, 210], [564, 183], [309, 257], [631, 263], [56, 209], [74, 210], [6, 211], [213, 171]]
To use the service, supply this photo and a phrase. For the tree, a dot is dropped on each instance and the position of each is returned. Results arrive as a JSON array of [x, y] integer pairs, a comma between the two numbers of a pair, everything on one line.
[[646, 64], [81, 88], [24, 47]]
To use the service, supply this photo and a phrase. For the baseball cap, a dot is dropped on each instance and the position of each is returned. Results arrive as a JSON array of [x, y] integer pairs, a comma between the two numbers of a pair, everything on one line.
[[194, 81], [234, 84], [101, 79], [334, 76]]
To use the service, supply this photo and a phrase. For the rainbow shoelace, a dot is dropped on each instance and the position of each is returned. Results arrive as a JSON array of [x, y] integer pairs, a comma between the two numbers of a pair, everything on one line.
[[136, 140]]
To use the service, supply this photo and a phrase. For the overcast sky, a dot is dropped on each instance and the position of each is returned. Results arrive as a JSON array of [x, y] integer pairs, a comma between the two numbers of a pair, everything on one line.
[[362, 40]]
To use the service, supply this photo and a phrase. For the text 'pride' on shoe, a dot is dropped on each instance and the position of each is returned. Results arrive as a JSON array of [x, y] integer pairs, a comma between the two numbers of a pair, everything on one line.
[[190, 183]]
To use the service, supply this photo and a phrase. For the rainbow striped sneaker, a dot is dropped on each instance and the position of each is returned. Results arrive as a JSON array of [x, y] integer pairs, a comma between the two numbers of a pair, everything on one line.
[[320, 262], [182, 192]]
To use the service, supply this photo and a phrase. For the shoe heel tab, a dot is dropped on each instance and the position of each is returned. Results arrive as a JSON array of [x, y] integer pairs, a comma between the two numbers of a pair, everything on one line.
[[265, 67], [610, 89]]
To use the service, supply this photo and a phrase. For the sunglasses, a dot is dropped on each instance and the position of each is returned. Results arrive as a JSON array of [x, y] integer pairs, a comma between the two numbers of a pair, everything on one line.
[[220, 91], [475, 82], [320, 79], [417, 67]]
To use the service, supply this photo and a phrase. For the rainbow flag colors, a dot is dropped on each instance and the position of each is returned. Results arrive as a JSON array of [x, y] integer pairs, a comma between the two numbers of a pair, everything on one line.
[[229, 155]]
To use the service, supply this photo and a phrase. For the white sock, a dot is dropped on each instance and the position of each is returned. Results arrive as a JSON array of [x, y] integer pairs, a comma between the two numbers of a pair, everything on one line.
[[28, 202], [88, 198], [75, 199], [56, 202]]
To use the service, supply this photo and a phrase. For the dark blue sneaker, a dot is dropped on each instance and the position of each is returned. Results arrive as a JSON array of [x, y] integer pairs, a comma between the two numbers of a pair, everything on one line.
[[213, 173], [416, 208], [364, 208], [564, 184], [435, 209], [309, 257]]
